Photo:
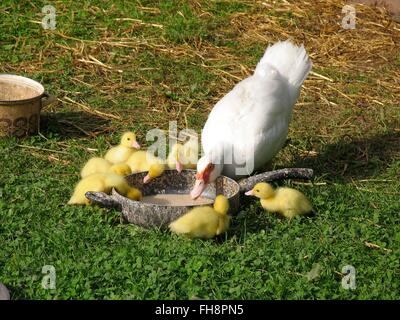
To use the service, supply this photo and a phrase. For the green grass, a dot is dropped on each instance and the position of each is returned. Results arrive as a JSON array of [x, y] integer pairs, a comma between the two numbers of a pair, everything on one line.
[[96, 256]]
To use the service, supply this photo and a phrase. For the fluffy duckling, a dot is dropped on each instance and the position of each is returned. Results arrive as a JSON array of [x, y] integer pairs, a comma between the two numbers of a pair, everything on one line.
[[285, 201], [100, 165], [144, 161], [183, 156], [95, 165], [204, 222], [123, 151], [102, 182]]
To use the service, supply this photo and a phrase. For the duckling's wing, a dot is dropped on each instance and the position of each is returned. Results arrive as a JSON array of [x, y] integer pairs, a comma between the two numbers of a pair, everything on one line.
[[293, 201], [286, 198]]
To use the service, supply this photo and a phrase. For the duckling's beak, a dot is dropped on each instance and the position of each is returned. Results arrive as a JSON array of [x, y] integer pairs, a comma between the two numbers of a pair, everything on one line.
[[179, 166], [249, 193], [147, 179], [135, 145], [198, 189]]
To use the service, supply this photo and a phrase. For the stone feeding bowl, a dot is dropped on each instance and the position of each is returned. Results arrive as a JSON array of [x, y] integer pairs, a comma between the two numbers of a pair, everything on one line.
[[152, 212]]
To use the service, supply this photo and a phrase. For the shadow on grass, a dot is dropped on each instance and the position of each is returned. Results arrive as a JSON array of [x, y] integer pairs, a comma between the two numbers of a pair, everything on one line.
[[354, 159], [73, 124], [347, 159], [251, 218]]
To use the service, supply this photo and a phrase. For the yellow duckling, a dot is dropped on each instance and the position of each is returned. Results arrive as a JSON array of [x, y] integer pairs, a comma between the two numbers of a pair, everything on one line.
[[144, 161], [103, 182], [285, 201], [95, 165], [183, 156], [123, 151], [100, 165], [121, 169], [204, 222]]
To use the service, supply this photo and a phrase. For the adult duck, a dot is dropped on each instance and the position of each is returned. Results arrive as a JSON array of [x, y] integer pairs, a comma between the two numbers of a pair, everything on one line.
[[249, 125]]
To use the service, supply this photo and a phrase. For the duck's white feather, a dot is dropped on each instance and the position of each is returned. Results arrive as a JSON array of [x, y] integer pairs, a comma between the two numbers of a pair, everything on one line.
[[251, 122]]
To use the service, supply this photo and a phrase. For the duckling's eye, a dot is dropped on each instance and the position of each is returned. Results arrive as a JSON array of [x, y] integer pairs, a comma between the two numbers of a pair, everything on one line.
[[129, 139], [258, 190]]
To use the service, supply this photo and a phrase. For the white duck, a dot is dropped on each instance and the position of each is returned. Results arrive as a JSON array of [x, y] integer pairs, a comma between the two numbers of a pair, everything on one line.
[[249, 125]]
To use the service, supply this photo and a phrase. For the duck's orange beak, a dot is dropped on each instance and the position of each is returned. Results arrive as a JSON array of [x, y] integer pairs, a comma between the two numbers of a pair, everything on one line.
[[249, 193]]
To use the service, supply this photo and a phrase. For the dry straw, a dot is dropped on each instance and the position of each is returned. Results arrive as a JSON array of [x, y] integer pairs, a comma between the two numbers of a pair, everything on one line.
[[337, 54]]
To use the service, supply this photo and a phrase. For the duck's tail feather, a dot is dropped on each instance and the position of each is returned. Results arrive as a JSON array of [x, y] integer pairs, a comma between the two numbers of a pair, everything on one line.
[[291, 61]]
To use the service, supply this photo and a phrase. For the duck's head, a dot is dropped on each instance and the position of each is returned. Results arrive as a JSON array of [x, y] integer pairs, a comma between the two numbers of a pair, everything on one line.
[[129, 140], [207, 171], [134, 194], [221, 204], [155, 171], [261, 190], [121, 169]]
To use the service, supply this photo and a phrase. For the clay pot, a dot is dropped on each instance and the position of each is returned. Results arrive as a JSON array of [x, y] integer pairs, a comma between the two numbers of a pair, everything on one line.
[[21, 100]]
